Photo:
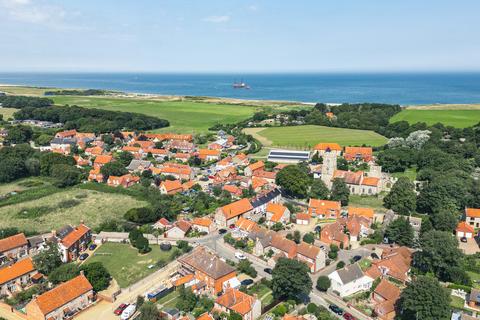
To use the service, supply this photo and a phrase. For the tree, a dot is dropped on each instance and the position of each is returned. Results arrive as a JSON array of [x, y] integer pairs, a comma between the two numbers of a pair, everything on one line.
[[133, 236], [234, 316], [319, 190], [140, 301], [323, 283], [115, 168], [294, 181], [440, 254], [444, 220], [402, 197], [19, 134], [297, 236], [65, 175], [333, 253], [187, 300], [340, 191], [125, 158], [340, 265], [141, 215], [284, 286], [424, 298], [64, 273], [48, 260], [400, 232], [97, 275], [149, 311], [309, 237], [50, 159], [246, 267]]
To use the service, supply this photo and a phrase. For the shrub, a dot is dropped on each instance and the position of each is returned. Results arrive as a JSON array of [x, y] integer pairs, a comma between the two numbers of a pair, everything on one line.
[[323, 283], [340, 265]]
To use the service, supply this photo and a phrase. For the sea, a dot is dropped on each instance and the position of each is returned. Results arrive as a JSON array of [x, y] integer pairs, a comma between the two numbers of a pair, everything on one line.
[[397, 88]]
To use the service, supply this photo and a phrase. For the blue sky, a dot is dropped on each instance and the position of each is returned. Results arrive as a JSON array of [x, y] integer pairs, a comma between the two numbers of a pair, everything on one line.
[[247, 36]]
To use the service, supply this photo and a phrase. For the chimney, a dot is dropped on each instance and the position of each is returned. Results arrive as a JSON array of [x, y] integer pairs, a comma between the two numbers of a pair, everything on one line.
[[54, 233], [82, 273]]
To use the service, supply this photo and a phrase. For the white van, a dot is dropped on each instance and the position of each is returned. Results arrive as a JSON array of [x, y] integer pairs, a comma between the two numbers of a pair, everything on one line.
[[128, 312]]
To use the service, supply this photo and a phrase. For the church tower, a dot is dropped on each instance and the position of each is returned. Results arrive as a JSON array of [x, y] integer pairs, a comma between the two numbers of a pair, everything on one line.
[[328, 168]]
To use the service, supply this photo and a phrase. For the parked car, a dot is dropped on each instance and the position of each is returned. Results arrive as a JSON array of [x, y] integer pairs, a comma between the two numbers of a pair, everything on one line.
[[348, 316], [240, 256], [120, 309], [336, 309], [128, 312], [93, 246], [83, 256], [463, 239], [222, 231], [357, 258], [232, 226], [268, 270], [246, 282]]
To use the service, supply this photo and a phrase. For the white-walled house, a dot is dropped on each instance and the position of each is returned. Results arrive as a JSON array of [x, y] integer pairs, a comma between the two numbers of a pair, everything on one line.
[[349, 280]]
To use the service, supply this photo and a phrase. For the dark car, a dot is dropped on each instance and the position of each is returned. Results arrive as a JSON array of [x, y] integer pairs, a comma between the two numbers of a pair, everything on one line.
[[222, 231], [318, 229], [120, 309], [246, 282], [357, 258], [83, 256], [268, 270], [92, 246], [348, 316], [336, 309], [463, 239]]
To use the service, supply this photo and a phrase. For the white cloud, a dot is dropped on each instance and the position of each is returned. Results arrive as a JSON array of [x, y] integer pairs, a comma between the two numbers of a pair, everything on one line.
[[252, 7], [28, 12], [217, 19]]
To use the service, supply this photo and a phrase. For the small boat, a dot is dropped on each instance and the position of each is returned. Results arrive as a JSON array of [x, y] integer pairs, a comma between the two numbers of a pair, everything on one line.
[[240, 85]]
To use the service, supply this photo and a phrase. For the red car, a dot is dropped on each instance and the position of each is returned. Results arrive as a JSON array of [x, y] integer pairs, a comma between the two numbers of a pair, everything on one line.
[[348, 316], [120, 309]]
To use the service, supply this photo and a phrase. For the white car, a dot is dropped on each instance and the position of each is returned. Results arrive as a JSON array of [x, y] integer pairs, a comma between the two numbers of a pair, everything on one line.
[[240, 256], [128, 312]]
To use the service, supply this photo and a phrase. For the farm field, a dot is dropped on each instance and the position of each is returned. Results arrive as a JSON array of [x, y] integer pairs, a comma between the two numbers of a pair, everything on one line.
[[457, 118], [7, 112], [125, 264], [69, 206], [184, 116], [24, 90], [306, 137]]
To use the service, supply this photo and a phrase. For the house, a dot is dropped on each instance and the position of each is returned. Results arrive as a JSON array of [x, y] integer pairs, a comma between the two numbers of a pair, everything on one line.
[[72, 241], [324, 209], [394, 263], [263, 239], [302, 218], [233, 190], [183, 157], [139, 165], [282, 246], [137, 152], [249, 307], [334, 234], [162, 224], [267, 175], [209, 155], [225, 175], [464, 230], [357, 226], [180, 145], [13, 247], [94, 151], [16, 277], [178, 171], [125, 181], [178, 230], [311, 255], [246, 225], [230, 213], [385, 296], [328, 147], [207, 268], [171, 187], [203, 225], [276, 213], [205, 316], [258, 184], [362, 212], [349, 280], [159, 154], [288, 156], [358, 154], [95, 175], [81, 162], [261, 200], [62, 301], [250, 169], [240, 159], [102, 160], [472, 217], [63, 144], [66, 134]]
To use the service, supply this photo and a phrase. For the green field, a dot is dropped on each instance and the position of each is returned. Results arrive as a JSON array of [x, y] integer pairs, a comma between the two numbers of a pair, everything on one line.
[[306, 137], [69, 206], [374, 202], [125, 264], [184, 116], [410, 173], [455, 118], [7, 113]]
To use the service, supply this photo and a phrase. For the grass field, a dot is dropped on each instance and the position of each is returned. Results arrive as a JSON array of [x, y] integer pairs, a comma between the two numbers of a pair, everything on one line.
[[306, 137], [23, 184], [184, 116], [66, 207], [7, 113], [410, 173], [456, 118], [22, 90], [375, 202], [125, 264]]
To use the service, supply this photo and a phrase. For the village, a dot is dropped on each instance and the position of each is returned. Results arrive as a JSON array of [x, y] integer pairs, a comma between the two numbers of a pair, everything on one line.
[[227, 258]]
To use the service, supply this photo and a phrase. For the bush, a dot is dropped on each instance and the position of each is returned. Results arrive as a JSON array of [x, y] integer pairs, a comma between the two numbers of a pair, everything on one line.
[[280, 310], [323, 283], [340, 265]]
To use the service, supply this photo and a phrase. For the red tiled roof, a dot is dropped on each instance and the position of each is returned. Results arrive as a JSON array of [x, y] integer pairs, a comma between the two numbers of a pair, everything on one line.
[[204, 222], [16, 270], [236, 300], [103, 159], [236, 208], [170, 185], [256, 165], [75, 235], [13, 242], [472, 213], [277, 210], [387, 290], [308, 250], [328, 146], [364, 212], [464, 227]]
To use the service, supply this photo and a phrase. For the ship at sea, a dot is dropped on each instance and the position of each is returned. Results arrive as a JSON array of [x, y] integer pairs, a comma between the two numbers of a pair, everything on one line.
[[240, 85]]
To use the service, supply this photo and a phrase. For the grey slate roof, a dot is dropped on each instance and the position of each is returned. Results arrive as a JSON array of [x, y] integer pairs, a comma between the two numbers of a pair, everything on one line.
[[350, 273], [135, 164], [63, 141]]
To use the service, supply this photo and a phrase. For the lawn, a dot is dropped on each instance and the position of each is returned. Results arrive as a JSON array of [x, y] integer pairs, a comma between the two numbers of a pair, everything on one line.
[[170, 300], [457, 303], [306, 137], [22, 185], [410, 173], [69, 206], [184, 116], [263, 292], [125, 264], [455, 118], [7, 113], [375, 202]]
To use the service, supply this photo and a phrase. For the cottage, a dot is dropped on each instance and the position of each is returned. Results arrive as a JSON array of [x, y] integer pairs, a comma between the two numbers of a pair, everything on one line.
[[362, 212], [464, 230], [260, 202], [209, 155], [66, 134], [204, 225], [13, 247], [72, 241], [16, 277], [139, 165], [62, 301], [125, 181], [283, 247], [302, 218], [333, 234], [95, 175], [170, 187], [394, 263], [229, 214], [276, 213], [358, 154], [207, 268], [178, 171], [324, 209], [249, 307], [357, 226], [240, 159], [178, 230], [102, 160], [250, 169], [385, 296], [473, 217], [163, 224], [349, 280], [327, 147], [311, 255]]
